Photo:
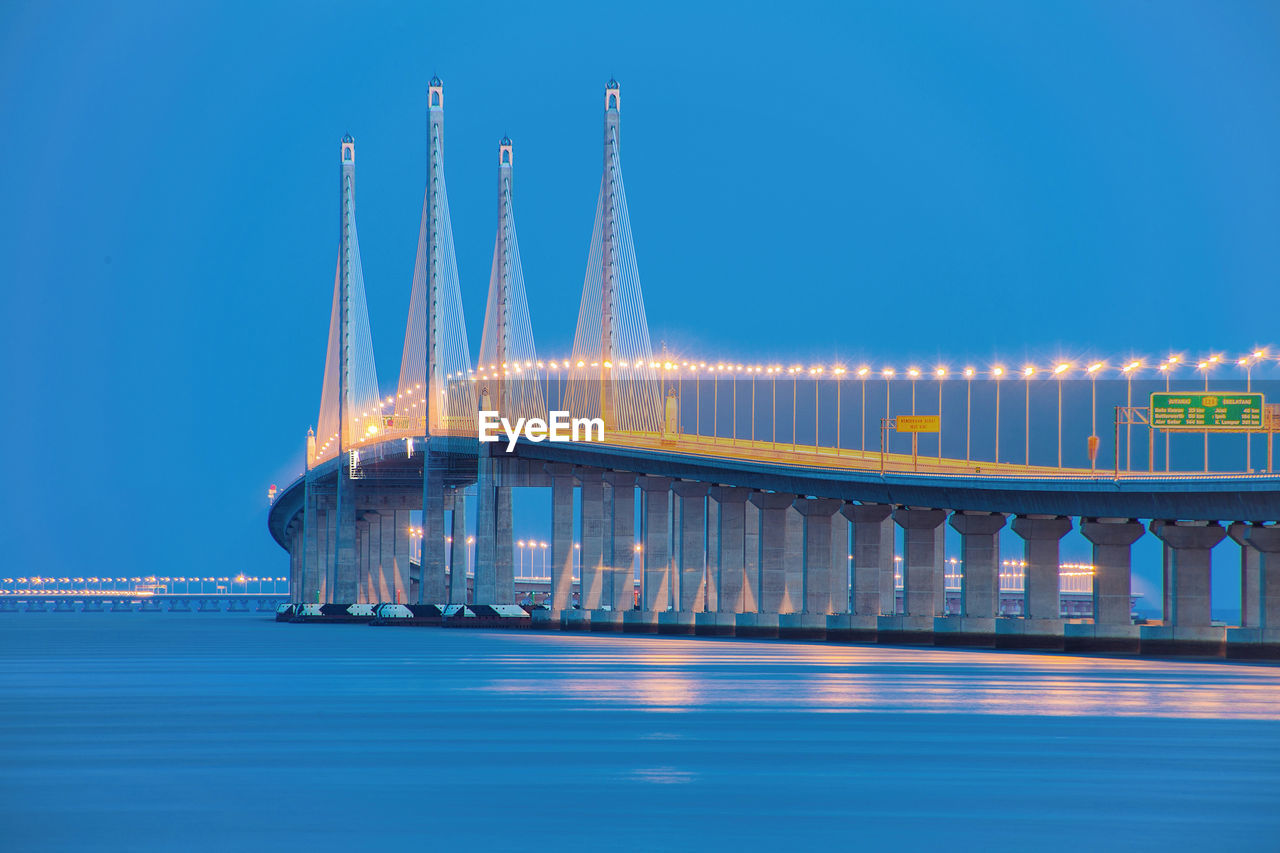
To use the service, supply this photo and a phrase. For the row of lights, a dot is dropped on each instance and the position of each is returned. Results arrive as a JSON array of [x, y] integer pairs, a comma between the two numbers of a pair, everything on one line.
[[865, 371]]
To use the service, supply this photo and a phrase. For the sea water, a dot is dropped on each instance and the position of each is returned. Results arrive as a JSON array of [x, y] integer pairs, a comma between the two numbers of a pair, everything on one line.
[[139, 731]]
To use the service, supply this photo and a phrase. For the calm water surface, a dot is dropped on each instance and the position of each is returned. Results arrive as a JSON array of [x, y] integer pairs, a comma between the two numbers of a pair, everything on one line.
[[222, 732]]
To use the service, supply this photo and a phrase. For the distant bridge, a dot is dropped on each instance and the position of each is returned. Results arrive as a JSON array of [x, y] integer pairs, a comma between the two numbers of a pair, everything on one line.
[[757, 514]]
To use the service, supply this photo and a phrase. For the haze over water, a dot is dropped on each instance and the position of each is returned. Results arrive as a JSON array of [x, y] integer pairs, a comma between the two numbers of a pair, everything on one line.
[[200, 731]]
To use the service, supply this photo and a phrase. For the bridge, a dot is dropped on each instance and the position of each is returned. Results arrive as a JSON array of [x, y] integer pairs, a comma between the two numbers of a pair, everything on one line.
[[756, 499]]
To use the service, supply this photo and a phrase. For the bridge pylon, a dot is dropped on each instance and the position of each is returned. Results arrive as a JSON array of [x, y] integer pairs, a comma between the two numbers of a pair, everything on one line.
[[350, 405], [507, 382], [617, 378]]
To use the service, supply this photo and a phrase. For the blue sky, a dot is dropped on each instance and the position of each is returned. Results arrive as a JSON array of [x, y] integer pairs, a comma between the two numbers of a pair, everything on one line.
[[889, 181]]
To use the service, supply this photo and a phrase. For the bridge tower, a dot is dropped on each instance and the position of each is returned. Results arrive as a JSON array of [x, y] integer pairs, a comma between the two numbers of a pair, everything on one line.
[[435, 389], [350, 411], [609, 190], [507, 379], [617, 379]]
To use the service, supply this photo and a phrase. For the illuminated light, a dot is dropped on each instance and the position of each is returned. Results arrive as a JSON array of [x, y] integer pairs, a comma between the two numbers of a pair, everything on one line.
[[913, 372], [863, 371], [997, 372], [1061, 368], [581, 364], [1133, 365], [888, 371], [1242, 361], [968, 372], [1094, 368], [1173, 359], [940, 372], [1028, 371]]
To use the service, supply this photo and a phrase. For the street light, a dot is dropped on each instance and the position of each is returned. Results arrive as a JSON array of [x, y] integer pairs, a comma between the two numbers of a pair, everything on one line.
[[862, 379], [1128, 370], [941, 373], [839, 372], [1092, 370], [968, 408], [1204, 367], [1058, 372], [1027, 372], [1247, 364], [887, 373], [998, 373]]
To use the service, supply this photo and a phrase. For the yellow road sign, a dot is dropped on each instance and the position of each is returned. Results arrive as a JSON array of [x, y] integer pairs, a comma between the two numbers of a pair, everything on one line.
[[919, 423]]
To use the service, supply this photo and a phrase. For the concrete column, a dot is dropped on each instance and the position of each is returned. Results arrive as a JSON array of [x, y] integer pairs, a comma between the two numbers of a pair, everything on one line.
[[1260, 574], [775, 556], [312, 571], [505, 548], [841, 564], [485, 589], [1188, 569], [818, 553], [980, 556], [388, 576], [692, 547], [751, 559], [713, 548], [431, 561], [621, 538], [400, 540], [366, 525], [346, 564], [872, 593], [1112, 540], [730, 554], [591, 538], [362, 563], [1041, 535], [458, 549], [561, 536], [330, 554], [655, 555], [922, 562]]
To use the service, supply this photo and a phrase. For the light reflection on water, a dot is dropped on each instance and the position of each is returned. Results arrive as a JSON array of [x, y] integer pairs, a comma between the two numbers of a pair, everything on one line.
[[165, 731]]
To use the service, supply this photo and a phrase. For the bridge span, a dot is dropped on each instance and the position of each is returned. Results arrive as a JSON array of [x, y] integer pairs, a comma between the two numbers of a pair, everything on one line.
[[741, 525]]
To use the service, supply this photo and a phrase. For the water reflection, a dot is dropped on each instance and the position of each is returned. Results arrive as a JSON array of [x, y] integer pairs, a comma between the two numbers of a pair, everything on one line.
[[678, 675]]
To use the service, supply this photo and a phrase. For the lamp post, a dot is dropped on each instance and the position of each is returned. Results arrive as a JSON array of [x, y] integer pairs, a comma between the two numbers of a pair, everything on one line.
[[1247, 363], [887, 373], [753, 371], [1092, 370], [968, 409], [794, 391], [773, 407], [817, 374], [998, 373], [1058, 373], [1128, 370], [1204, 367], [862, 378], [941, 373], [1167, 369], [1027, 373], [839, 372]]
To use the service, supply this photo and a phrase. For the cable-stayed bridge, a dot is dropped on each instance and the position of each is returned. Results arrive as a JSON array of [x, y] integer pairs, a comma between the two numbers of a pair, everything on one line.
[[757, 499]]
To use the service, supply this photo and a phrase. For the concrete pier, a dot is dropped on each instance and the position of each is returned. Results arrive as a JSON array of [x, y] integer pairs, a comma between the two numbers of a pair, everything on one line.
[[980, 558], [730, 555], [817, 555], [922, 561], [431, 589], [457, 549], [561, 536], [774, 545], [1042, 536], [1187, 573], [1112, 540], [655, 557], [872, 593], [591, 538], [620, 539], [692, 544]]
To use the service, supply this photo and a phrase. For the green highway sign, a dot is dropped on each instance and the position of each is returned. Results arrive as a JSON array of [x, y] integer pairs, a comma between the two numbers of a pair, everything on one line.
[[1203, 410]]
